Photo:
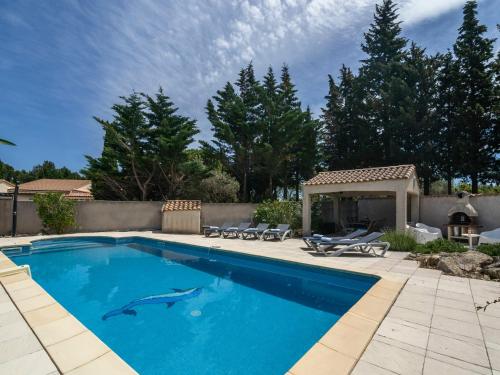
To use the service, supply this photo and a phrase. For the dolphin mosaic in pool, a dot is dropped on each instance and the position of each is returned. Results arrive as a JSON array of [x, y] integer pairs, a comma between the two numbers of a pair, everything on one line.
[[169, 299]]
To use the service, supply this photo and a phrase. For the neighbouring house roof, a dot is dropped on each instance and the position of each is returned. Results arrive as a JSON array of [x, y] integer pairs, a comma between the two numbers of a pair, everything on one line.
[[182, 205], [72, 189], [396, 172], [5, 182]]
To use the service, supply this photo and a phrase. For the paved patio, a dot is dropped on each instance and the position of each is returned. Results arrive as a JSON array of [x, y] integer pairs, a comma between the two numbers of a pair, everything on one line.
[[432, 328]]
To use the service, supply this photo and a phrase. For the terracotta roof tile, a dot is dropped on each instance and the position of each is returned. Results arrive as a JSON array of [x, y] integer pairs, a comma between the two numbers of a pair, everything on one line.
[[79, 195], [2, 181], [182, 205], [48, 184], [396, 172]]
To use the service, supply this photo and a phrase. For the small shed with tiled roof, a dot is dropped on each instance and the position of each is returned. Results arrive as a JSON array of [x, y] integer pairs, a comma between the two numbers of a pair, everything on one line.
[[399, 181], [181, 216]]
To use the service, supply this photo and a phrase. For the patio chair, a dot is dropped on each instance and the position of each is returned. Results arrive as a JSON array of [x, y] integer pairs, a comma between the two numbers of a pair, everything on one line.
[[235, 230], [319, 237], [254, 232], [364, 245], [281, 231], [208, 230]]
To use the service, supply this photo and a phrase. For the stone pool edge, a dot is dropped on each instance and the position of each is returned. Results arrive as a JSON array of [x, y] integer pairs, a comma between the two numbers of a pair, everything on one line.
[[340, 348], [72, 347]]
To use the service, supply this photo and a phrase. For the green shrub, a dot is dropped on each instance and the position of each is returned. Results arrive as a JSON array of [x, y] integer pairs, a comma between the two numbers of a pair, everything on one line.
[[441, 246], [279, 212], [219, 188], [491, 249], [56, 212], [400, 241]]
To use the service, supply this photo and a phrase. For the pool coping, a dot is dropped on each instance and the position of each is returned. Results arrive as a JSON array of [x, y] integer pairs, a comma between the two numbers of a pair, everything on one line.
[[336, 352]]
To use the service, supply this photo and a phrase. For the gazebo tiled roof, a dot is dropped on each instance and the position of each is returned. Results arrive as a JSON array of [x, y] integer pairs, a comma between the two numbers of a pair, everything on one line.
[[182, 205], [396, 172]]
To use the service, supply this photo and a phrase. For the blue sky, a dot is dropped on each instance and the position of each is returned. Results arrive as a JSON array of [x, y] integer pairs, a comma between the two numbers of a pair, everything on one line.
[[62, 62]]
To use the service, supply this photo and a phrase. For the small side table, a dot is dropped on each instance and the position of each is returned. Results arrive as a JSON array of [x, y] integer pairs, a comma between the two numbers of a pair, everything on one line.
[[471, 238]]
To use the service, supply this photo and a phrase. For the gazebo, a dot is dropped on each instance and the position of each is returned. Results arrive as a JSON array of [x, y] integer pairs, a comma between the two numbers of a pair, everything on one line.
[[399, 181]]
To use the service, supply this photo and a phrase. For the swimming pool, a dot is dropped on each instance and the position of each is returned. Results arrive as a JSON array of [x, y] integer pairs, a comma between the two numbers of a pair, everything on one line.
[[179, 309]]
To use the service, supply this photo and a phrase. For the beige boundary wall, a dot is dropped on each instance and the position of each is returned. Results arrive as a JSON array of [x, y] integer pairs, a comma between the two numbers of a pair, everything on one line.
[[99, 216]]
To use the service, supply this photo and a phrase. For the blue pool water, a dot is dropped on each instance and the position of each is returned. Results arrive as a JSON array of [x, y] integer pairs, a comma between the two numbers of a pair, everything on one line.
[[233, 314]]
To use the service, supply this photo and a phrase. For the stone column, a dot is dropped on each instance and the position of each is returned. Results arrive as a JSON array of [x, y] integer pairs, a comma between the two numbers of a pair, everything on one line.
[[415, 207], [336, 212], [306, 212], [401, 210]]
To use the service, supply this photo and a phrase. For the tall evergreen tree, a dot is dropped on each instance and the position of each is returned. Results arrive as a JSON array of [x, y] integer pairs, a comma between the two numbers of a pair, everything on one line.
[[382, 72], [475, 91]]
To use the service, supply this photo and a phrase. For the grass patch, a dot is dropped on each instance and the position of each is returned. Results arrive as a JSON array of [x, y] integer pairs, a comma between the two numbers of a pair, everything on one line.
[[400, 241], [491, 249], [440, 245]]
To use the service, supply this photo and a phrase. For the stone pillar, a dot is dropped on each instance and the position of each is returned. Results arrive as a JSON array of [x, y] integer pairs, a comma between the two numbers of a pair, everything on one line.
[[306, 213], [336, 212], [415, 207], [401, 210]]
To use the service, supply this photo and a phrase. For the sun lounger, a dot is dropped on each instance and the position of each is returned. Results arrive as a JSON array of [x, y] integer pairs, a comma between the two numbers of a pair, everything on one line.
[[255, 232], [208, 230], [235, 230], [365, 245], [319, 237], [281, 231]]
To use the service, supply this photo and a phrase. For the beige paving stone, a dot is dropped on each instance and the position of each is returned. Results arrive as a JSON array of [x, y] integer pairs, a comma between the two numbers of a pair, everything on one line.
[[392, 358], [405, 332], [27, 283], [459, 349], [10, 317], [453, 295], [456, 335], [425, 285], [434, 367], [492, 337], [411, 316], [347, 339], [37, 363], [77, 351], [494, 354], [428, 273], [18, 347], [366, 368], [6, 307], [29, 292], [45, 315], [449, 312], [35, 302], [472, 368], [456, 304], [413, 302], [358, 322], [371, 307], [6, 280], [488, 320], [385, 293], [461, 328], [16, 329], [109, 364], [59, 330], [455, 287], [321, 360]]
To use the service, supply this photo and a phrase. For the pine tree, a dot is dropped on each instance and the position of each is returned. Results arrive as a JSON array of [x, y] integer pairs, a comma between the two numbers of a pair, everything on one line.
[[475, 91]]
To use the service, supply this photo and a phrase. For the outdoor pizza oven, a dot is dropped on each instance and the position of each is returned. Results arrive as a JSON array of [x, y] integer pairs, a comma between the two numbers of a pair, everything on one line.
[[462, 217]]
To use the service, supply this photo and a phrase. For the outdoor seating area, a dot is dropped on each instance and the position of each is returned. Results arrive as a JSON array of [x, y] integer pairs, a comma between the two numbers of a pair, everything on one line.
[[245, 231]]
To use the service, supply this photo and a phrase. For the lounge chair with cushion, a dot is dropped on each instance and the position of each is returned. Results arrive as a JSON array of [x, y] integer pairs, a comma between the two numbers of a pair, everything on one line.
[[365, 244], [208, 230], [318, 237], [491, 236], [280, 232], [235, 231], [254, 232]]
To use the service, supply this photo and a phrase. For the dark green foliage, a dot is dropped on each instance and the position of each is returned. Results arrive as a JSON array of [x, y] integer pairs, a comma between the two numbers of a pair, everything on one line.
[[145, 151], [262, 136], [400, 241], [219, 188], [6, 142], [279, 212], [492, 249], [45, 170], [56, 212], [441, 246]]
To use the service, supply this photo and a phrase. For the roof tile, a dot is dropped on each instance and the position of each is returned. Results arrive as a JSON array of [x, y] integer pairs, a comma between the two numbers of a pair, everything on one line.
[[396, 172], [182, 205]]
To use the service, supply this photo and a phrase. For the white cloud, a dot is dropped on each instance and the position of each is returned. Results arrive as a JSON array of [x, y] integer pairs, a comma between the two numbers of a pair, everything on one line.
[[414, 11]]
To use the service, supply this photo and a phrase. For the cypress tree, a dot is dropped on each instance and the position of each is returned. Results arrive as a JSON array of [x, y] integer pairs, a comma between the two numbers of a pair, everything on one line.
[[475, 91]]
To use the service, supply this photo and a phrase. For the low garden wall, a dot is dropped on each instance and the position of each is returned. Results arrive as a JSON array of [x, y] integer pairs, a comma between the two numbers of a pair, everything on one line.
[[100, 216]]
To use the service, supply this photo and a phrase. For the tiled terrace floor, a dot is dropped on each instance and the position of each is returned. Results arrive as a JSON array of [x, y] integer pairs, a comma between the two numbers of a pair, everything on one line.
[[432, 328]]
